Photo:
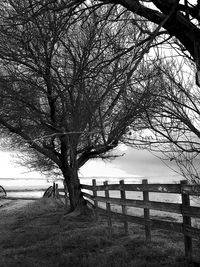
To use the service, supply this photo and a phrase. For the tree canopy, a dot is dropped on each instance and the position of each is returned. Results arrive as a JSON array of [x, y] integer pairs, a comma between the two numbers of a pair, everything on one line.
[[75, 80], [175, 127], [68, 93], [181, 19]]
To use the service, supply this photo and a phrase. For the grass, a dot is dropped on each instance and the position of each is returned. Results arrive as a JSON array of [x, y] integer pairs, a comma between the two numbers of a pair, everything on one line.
[[42, 235]]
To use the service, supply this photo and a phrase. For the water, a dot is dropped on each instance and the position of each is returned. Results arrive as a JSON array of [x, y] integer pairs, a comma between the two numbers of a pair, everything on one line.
[[111, 180], [159, 197], [39, 185], [163, 197]]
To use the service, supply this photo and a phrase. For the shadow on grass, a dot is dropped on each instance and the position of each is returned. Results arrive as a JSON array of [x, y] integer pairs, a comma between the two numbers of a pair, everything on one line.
[[43, 235]]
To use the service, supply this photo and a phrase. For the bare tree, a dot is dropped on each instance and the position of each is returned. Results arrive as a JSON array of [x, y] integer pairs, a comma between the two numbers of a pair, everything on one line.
[[68, 86], [179, 18], [175, 124]]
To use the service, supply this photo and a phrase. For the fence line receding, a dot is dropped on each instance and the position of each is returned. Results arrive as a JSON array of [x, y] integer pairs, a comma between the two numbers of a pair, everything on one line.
[[184, 209]]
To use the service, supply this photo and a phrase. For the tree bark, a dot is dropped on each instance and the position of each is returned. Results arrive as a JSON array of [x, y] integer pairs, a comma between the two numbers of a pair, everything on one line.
[[77, 202]]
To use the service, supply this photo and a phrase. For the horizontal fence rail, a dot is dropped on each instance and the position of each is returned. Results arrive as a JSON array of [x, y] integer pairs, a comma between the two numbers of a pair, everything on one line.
[[154, 188], [185, 209]]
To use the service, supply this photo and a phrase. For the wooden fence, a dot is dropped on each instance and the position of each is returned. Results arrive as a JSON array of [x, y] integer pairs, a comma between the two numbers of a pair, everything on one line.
[[185, 209]]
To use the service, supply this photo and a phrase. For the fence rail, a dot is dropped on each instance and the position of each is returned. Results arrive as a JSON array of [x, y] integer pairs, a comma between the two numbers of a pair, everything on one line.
[[185, 209], [154, 188]]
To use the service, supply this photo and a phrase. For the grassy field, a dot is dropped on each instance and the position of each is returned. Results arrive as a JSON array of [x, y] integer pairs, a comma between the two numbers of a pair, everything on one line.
[[42, 235]]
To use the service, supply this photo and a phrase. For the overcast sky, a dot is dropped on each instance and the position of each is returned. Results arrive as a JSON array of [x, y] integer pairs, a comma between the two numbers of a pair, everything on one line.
[[135, 163], [138, 163]]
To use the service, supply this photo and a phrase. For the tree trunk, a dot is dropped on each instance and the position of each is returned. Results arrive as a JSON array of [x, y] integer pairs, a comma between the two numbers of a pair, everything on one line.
[[77, 202]]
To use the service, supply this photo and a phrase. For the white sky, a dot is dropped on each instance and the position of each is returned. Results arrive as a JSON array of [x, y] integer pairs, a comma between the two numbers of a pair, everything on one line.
[[9, 169], [135, 163]]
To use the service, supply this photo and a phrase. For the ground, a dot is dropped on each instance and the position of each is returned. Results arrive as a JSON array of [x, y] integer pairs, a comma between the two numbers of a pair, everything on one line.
[[41, 234]]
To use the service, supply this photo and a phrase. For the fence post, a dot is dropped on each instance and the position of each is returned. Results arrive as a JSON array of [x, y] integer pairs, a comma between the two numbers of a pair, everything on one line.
[[65, 191], [54, 189], [108, 209], [124, 208], [95, 198], [186, 222], [146, 214]]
